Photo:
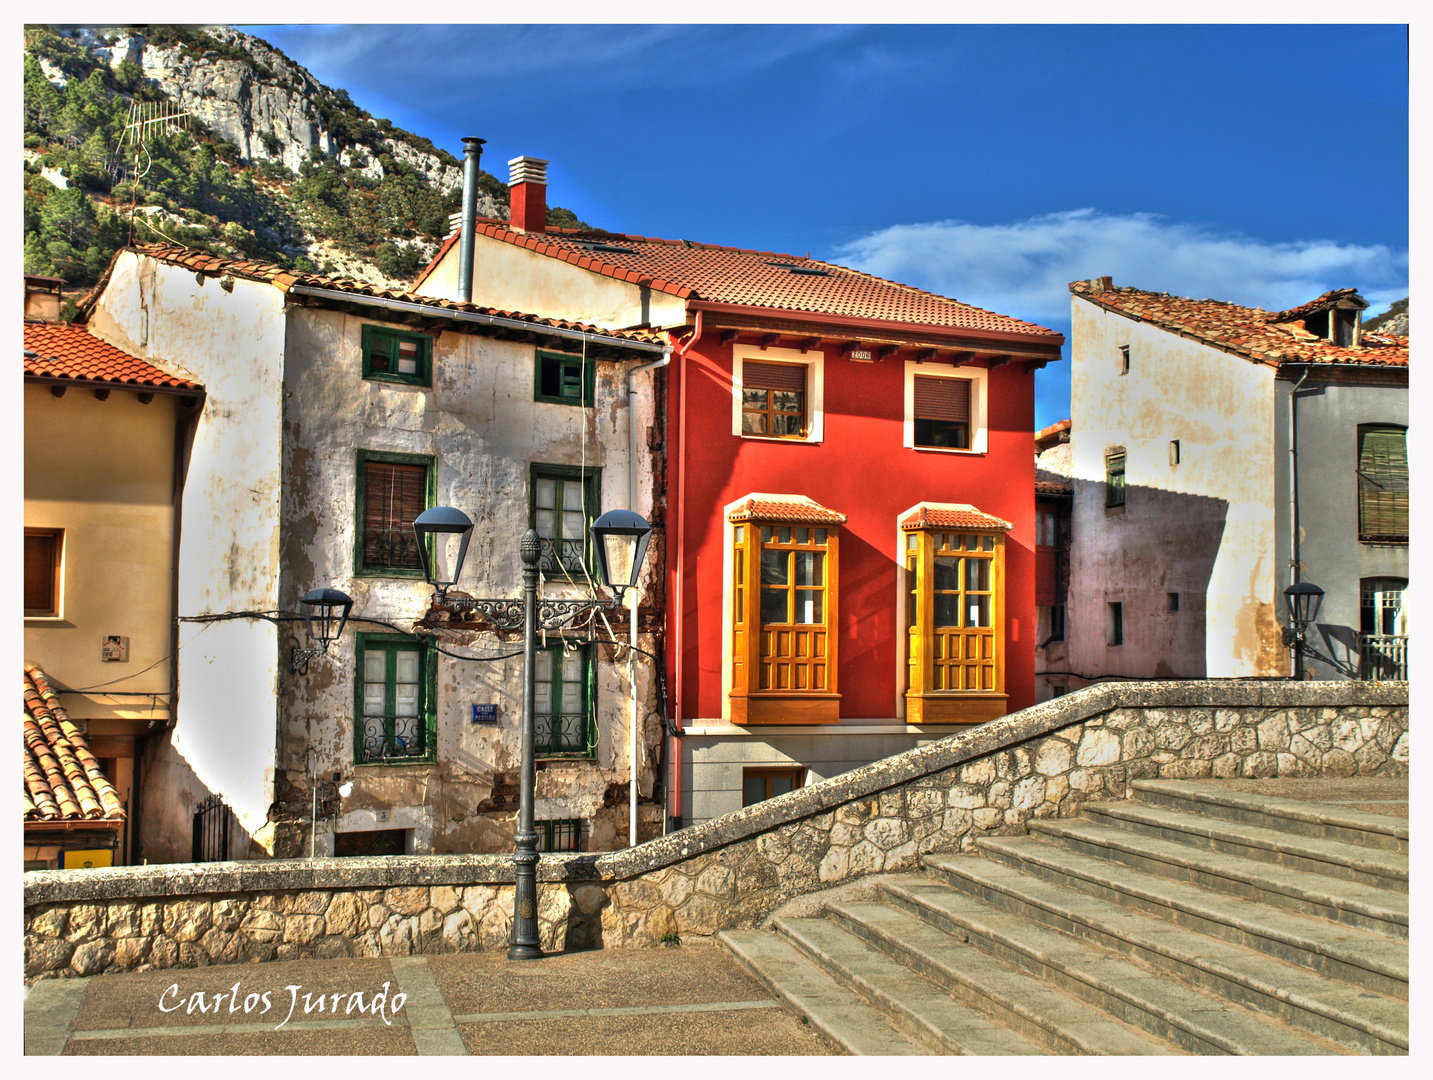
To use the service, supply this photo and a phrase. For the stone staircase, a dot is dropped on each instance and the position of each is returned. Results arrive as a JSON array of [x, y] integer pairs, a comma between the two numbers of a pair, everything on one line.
[[1188, 920]]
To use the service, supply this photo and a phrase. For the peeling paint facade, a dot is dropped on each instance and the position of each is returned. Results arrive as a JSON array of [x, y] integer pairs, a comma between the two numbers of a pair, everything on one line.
[[1182, 541], [269, 511]]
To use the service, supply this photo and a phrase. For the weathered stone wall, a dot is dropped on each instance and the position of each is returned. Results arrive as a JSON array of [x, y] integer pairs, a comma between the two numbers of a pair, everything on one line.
[[731, 871]]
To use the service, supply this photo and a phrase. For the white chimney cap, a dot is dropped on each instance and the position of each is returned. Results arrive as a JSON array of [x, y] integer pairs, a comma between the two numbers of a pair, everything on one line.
[[527, 170]]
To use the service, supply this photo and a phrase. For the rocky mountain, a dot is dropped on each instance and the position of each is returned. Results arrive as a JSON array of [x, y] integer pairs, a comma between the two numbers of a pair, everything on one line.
[[265, 162], [1392, 321]]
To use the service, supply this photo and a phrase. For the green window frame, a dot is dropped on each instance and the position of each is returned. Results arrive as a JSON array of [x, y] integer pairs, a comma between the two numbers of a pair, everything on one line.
[[389, 493], [563, 501], [564, 701], [397, 356], [563, 379], [395, 694], [1115, 478], [563, 834]]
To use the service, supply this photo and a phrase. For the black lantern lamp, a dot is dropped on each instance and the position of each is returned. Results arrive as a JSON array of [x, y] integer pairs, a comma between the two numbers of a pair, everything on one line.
[[621, 538], [1303, 598], [448, 526], [326, 614]]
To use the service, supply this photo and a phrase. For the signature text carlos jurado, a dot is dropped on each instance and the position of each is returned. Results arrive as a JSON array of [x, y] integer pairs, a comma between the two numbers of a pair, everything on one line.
[[380, 1005]]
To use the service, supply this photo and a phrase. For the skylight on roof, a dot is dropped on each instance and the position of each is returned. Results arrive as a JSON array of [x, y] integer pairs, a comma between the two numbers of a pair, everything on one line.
[[597, 245], [798, 268]]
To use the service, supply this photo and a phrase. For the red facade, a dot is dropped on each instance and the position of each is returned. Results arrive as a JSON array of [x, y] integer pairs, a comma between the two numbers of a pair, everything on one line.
[[861, 469]]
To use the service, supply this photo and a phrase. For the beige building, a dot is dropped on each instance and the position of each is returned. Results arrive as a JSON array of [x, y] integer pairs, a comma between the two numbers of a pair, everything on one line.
[[102, 430], [336, 412]]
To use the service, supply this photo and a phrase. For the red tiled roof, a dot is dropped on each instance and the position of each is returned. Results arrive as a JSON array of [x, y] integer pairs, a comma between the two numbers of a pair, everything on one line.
[[795, 508], [63, 780], [1248, 332], [746, 277], [1051, 487], [930, 515], [72, 352], [1054, 429], [285, 279], [1319, 303]]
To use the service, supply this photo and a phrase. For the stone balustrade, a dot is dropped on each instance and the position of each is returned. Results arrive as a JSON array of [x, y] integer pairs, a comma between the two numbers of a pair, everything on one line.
[[732, 871]]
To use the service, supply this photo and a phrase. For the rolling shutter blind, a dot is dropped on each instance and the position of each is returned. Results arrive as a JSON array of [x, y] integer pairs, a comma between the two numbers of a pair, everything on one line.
[[942, 399], [758, 376], [393, 495], [1382, 483]]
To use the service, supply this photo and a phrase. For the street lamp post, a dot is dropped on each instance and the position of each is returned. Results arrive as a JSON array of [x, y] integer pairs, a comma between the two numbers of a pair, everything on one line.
[[620, 538]]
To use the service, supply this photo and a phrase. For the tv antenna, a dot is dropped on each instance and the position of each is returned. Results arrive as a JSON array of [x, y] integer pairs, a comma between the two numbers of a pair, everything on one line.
[[147, 118]]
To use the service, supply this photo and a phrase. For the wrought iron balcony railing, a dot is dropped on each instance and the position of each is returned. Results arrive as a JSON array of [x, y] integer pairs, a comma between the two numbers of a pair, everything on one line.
[[392, 738], [1383, 657], [563, 556], [563, 733]]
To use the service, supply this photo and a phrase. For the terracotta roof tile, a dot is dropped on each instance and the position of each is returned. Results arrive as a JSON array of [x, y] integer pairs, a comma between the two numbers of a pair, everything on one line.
[[762, 279], [1248, 332], [1052, 487], [65, 351], [794, 508], [932, 515], [285, 279], [63, 779]]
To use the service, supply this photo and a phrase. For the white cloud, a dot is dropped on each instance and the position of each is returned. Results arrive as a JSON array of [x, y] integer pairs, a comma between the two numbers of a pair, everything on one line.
[[1023, 268]]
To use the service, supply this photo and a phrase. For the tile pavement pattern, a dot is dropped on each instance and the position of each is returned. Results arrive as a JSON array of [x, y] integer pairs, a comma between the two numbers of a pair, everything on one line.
[[1041, 764]]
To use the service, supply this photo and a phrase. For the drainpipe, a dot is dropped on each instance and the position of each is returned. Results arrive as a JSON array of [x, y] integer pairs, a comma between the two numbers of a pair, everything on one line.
[[1294, 486], [472, 153], [676, 758], [632, 372]]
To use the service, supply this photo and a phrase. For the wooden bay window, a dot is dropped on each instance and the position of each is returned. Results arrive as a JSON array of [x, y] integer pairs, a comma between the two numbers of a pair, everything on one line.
[[783, 599], [955, 614]]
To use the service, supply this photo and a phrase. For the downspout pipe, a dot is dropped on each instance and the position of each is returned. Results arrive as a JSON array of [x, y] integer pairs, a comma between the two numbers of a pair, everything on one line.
[[1294, 565], [680, 566], [472, 154]]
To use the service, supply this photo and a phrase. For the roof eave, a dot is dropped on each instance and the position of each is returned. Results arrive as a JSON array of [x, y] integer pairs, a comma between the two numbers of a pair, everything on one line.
[[107, 384], [1041, 344]]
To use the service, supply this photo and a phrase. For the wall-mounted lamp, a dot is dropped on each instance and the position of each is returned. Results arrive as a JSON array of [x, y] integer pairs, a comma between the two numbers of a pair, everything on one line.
[[450, 529], [326, 614], [1303, 598]]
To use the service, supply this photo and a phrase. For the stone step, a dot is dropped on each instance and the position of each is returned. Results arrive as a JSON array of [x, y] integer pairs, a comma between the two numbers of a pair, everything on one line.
[[1348, 1014], [839, 1014], [1333, 858], [914, 1006], [1190, 1017], [1345, 902], [1370, 960], [1040, 1012], [1299, 818]]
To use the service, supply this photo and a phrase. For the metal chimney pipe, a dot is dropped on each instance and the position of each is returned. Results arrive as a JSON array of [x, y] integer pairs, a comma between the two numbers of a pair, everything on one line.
[[472, 154]]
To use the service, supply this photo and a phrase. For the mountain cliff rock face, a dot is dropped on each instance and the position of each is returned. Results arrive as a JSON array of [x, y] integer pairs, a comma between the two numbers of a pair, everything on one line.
[[277, 166]]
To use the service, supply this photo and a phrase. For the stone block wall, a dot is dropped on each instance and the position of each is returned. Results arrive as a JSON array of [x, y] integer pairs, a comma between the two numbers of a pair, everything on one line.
[[732, 871]]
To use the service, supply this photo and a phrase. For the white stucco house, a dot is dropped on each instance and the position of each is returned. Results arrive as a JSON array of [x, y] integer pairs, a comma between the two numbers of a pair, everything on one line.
[[336, 412], [1221, 453]]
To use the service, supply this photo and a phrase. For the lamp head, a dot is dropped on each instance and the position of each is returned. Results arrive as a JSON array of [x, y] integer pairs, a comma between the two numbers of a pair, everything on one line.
[[326, 613], [451, 530], [1303, 599], [620, 538]]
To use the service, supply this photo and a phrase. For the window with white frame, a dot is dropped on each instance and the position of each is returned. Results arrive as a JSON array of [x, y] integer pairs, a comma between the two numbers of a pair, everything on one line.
[[945, 408], [777, 393]]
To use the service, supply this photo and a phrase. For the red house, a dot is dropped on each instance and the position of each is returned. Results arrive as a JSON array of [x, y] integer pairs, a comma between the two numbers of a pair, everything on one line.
[[847, 498]]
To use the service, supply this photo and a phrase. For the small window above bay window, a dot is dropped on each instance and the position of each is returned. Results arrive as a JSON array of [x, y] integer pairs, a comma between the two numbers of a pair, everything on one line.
[[945, 408], [777, 394]]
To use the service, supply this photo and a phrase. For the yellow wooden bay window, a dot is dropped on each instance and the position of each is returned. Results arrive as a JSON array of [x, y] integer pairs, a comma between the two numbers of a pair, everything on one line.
[[954, 559], [781, 608]]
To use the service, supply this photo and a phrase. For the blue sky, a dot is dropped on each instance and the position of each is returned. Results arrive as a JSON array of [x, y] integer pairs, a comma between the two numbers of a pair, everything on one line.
[[1256, 164]]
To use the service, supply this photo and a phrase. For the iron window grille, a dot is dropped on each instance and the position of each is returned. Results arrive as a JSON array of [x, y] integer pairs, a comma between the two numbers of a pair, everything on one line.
[[560, 835], [564, 698], [564, 503], [395, 691], [397, 356]]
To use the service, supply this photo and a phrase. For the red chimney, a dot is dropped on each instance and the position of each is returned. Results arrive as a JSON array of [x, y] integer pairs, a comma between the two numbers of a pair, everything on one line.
[[527, 201]]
